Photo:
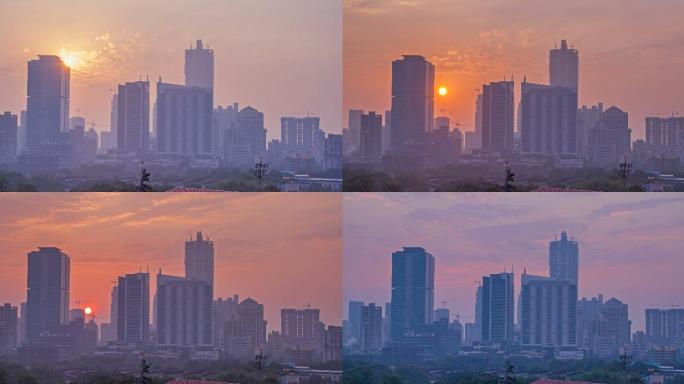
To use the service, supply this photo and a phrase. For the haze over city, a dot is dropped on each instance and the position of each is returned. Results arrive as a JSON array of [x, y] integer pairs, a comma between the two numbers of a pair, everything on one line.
[[628, 244], [269, 54], [259, 253], [627, 49]]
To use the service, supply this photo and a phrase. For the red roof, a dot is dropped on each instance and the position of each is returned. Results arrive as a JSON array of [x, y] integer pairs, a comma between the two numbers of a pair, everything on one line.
[[557, 189], [549, 381]]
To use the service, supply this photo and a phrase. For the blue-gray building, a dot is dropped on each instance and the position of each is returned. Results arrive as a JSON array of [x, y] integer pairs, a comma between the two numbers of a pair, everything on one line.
[[497, 308], [133, 312], [413, 99], [413, 286]]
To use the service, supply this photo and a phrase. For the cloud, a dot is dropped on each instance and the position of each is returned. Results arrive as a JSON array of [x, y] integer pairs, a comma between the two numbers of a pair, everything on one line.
[[374, 7], [616, 209]]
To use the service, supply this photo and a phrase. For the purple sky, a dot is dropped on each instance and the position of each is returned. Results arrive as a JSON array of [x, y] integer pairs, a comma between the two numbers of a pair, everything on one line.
[[630, 244]]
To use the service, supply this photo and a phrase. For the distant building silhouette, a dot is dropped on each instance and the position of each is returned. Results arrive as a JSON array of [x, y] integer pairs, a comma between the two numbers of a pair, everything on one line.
[[355, 128], [199, 259], [133, 121], [133, 309], [413, 285], [587, 312], [497, 116], [299, 325], [48, 94], [665, 133], [371, 136], [588, 119], [47, 306], [199, 66], [333, 151], [413, 83], [371, 328], [611, 139], [223, 310], [564, 66], [564, 259], [611, 331], [665, 326], [354, 314], [8, 328], [8, 137]]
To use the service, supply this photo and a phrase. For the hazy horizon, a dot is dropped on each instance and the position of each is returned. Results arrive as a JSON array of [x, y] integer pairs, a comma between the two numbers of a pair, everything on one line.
[[630, 51], [259, 253], [629, 244], [269, 54]]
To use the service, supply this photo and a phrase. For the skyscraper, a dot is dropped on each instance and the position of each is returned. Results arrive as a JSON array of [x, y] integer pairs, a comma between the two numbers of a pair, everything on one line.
[[333, 151], [184, 120], [355, 127], [564, 66], [413, 285], [223, 310], [497, 116], [548, 119], [564, 259], [199, 67], [613, 323], [251, 123], [8, 137], [371, 327], [199, 259], [47, 104], [47, 296], [133, 312], [8, 328], [587, 313], [371, 136], [548, 310], [300, 133], [497, 308], [413, 97], [184, 311], [133, 121]]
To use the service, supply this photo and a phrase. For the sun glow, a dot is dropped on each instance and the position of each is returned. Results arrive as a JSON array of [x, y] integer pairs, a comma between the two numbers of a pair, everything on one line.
[[442, 91], [88, 310], [72, 59]]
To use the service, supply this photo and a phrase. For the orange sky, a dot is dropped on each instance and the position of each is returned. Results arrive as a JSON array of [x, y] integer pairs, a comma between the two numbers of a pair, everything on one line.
[[283, 250], [630, 50]]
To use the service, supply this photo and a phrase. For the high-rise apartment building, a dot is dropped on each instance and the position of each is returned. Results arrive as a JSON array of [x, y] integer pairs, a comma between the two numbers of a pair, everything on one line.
[[548, 119], [199, 259], [548, 310], [184, 120], [133, 121], [8, 137], [47, 306], [184, 311], [413, 285], [133, 309], [564, 66], [413, 98], [47, 104], [371, 136], [564, 259], [199, 66], [497, 116], [371, 327], [8, 328], [497, 308]]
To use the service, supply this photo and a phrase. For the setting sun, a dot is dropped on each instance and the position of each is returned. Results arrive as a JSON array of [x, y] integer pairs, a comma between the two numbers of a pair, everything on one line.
[[88, 310], [71, 59], [442, 91]]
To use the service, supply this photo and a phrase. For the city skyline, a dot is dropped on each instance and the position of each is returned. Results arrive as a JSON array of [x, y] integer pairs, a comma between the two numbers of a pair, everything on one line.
[[89, 230], [457, 230], [489, 41], [102, 53]]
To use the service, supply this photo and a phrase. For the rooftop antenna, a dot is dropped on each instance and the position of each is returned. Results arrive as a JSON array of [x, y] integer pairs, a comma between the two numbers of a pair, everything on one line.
[[555, 45]]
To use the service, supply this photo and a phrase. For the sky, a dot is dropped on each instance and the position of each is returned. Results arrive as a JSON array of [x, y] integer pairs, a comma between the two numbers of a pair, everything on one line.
[[631, 51], [629, 244], [283, 250], [283, 57]]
